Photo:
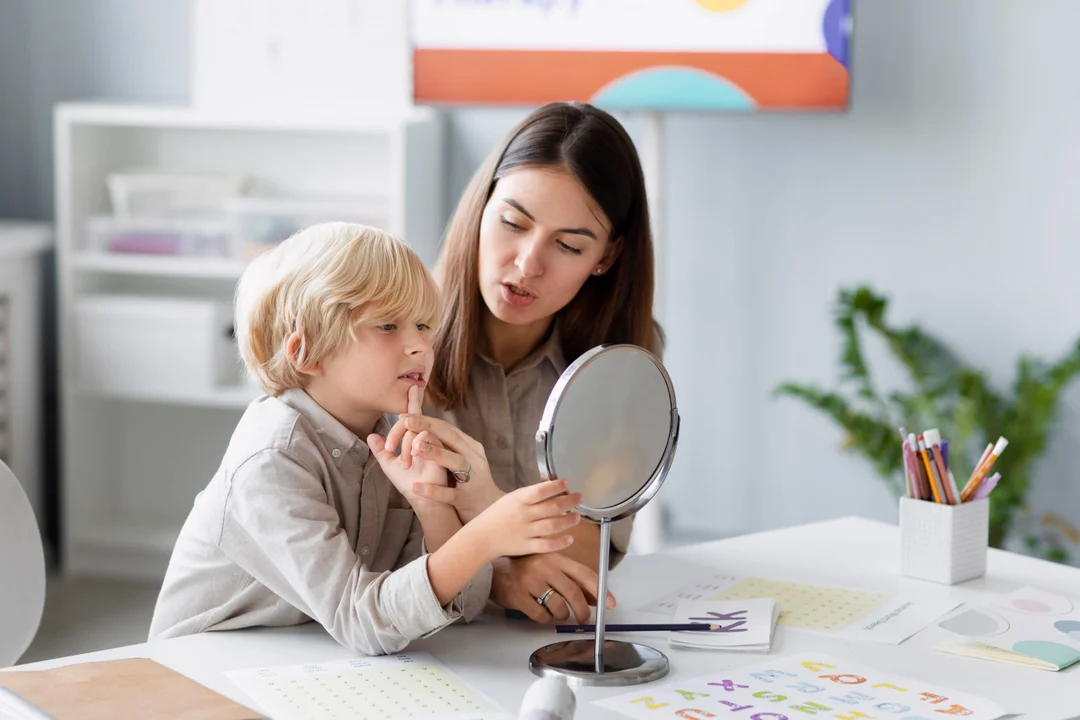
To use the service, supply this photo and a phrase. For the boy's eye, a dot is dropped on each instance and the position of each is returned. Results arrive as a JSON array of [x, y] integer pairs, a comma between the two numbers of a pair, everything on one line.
[[387, 327], [423, 327]]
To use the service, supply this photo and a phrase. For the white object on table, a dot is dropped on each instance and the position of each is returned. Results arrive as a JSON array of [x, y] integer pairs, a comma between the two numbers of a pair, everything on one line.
[[944, 543], [22, 570], [492, 654], [549, 698]]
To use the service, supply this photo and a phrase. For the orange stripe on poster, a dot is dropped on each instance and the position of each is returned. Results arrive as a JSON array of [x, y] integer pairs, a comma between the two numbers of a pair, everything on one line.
[[530, 77]]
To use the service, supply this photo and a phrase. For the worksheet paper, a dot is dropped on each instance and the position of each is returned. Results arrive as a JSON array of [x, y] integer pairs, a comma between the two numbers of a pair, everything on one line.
[[407, 685], [834, 611]]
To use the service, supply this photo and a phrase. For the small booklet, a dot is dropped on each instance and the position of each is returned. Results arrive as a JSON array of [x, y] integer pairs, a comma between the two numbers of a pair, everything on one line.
[[742, 625], [1029, 627]]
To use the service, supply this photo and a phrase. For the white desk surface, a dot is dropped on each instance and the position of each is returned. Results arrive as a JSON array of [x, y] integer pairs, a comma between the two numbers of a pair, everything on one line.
[[492, 653]]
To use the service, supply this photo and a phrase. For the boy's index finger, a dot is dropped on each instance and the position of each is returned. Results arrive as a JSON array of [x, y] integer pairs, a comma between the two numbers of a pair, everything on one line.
[[416, 400]]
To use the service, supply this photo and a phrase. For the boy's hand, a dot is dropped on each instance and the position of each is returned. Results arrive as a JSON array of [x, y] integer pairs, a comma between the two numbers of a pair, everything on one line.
[[406, 470], [530, 520]]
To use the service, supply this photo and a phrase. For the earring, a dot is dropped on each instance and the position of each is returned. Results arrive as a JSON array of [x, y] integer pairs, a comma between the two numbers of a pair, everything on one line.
[[599, 270]]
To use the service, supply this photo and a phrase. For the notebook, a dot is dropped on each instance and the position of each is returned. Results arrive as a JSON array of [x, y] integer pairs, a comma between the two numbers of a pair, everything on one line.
[[131, 689], [742, 625], [1030, 627]]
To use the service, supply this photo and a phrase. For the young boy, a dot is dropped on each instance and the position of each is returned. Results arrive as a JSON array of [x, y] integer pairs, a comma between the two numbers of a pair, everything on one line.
[[304, 520]]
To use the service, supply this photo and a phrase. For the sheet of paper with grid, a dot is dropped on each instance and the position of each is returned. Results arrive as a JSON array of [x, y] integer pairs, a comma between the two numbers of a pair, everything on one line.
[[408, 685], [809, 607]]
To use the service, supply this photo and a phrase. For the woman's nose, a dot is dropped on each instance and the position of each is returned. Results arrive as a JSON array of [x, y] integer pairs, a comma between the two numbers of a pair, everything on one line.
[[528, 260]]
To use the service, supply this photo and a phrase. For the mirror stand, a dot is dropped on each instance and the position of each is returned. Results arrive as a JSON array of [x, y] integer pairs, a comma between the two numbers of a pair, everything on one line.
[[600, 662]]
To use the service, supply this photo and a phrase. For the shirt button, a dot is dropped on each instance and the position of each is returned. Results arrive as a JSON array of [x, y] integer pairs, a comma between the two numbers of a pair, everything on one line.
[[502, 443], [336, 453], [365, 550]]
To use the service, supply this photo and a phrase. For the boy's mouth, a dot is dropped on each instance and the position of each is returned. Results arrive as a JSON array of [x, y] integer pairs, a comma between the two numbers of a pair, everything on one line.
[[415, 377]]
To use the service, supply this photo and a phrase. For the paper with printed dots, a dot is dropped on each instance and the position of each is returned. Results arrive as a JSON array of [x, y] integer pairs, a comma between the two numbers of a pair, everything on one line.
[[407, 685]]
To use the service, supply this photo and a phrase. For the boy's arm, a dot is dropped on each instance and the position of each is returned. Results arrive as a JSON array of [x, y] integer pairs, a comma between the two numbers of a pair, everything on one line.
[[438, 521], [278, 527]]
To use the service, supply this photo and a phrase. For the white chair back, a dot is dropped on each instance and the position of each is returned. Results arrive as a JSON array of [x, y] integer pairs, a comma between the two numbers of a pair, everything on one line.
[[22, 570]]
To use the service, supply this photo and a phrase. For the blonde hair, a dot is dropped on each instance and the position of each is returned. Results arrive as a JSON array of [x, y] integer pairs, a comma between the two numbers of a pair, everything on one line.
[[321, 283]]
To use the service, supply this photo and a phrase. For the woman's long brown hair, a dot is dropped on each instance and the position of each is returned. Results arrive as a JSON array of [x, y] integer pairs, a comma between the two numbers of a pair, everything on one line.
[[612, 308]]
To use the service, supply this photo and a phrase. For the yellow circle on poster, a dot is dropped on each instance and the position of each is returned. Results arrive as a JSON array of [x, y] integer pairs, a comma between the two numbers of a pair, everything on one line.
[[721, 5]]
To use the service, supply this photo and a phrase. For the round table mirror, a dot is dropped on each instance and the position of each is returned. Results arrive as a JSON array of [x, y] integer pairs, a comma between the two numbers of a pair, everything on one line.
[[610, 427]]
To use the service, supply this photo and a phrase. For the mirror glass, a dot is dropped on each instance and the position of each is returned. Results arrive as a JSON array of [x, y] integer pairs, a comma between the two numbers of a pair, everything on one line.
[[610, 426]]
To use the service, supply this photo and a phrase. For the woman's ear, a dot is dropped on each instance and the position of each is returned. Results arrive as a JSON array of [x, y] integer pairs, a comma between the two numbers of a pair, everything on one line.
[[296, 350], [611, 254]]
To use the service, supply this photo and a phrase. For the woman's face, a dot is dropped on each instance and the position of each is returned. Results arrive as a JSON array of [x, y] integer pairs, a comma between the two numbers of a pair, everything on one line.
[[541, 237]]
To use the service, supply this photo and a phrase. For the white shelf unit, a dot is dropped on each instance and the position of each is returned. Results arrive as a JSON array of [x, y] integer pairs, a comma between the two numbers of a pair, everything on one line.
[[132, 462]]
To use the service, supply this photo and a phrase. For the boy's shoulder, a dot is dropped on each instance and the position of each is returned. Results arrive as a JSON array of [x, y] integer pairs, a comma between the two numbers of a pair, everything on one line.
[[278, 425]]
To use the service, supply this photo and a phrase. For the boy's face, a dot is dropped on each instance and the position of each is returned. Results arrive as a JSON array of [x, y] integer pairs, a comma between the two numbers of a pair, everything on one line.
[[374, 373]]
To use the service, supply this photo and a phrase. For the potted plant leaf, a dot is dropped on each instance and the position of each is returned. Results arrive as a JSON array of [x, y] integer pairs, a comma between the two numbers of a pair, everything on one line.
[[949, 394]]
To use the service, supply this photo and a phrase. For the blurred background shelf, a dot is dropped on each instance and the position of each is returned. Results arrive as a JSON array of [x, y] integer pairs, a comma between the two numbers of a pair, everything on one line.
[[148, 397]]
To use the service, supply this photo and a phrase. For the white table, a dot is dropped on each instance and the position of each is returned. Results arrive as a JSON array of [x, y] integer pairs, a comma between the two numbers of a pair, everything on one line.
[[492, 653]]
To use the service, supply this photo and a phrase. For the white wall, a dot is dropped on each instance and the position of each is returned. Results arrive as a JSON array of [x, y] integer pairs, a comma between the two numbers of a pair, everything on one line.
[[950, 185]]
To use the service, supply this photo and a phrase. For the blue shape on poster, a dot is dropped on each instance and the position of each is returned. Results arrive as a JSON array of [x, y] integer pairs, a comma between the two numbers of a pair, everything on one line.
[[1070, 628], [837, 27], [672, 89]]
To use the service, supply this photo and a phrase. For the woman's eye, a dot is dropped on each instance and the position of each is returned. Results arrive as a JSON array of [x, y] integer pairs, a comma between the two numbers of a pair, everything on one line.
[[569, 248], [512, 225]]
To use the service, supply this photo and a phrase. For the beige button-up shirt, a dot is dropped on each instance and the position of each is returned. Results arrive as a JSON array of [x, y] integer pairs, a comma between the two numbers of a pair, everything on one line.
[[300, 524], [503, 413]]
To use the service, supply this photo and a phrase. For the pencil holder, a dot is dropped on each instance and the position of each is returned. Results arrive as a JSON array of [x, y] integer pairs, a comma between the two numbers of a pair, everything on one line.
[[944, 543]]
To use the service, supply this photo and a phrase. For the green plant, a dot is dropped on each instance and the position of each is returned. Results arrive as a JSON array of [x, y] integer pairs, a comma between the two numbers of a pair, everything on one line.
[[957, 398]]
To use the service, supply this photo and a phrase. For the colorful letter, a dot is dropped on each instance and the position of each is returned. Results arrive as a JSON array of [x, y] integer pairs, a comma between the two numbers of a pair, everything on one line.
[[893, 707], [816, 666], [956, 710], [770, 696], [844, 679], [810, 708], [735, 707], [852, 698], [769, 675]]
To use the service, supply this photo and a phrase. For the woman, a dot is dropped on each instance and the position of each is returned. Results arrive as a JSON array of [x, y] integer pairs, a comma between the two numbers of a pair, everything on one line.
[[548, 255]]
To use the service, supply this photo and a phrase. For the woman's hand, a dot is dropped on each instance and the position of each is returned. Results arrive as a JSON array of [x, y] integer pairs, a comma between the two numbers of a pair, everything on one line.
[[517, 582], [437, 441]]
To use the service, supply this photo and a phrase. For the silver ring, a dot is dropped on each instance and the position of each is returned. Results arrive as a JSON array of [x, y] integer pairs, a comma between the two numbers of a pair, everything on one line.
[[542, 600], [462, 476]]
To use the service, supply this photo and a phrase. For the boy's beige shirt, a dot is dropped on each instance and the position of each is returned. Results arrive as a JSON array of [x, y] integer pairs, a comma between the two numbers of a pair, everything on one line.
[[503, 412], [299, 524]]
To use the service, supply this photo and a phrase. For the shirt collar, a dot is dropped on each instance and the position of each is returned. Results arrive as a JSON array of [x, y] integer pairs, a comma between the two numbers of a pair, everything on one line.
[[550, 350], [333, 434]]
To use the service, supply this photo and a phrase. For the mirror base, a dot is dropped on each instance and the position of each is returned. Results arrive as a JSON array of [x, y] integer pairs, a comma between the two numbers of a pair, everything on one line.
[[624, 663]]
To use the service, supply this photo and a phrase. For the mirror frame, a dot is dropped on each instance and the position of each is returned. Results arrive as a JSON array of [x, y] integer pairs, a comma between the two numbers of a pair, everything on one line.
[[546, 462]]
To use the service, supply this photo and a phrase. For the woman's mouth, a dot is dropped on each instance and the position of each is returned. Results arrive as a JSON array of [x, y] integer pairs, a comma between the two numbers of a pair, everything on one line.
[[516, 295]]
